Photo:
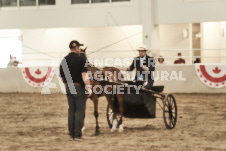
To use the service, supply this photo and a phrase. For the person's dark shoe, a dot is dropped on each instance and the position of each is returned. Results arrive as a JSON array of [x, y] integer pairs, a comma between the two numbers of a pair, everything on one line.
[[72, 136]]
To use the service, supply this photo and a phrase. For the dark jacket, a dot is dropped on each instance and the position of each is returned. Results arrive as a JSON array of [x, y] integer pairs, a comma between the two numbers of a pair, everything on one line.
[[149, 62]]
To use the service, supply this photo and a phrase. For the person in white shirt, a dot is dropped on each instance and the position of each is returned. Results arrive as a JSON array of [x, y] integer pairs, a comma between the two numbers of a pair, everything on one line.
[[144, 65]]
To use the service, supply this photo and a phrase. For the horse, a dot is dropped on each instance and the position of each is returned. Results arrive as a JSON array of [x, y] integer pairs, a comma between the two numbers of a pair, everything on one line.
[[110, 97]]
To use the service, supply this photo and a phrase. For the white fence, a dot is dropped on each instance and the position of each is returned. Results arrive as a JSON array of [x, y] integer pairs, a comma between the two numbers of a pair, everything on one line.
[[185, 81]]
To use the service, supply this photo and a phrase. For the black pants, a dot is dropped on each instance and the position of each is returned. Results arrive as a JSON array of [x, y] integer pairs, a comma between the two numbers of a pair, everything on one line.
[[77, 102], [150, 83]]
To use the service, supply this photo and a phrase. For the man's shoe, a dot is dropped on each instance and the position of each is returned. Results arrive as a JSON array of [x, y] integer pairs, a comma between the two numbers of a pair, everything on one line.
[[71, 138]]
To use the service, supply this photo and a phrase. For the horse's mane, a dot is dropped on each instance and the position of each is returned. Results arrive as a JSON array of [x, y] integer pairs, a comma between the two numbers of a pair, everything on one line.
[[93, 69]]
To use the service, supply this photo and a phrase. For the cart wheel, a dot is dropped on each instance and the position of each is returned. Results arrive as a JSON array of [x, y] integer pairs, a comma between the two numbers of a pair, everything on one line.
[[110, 115], [170, 111]]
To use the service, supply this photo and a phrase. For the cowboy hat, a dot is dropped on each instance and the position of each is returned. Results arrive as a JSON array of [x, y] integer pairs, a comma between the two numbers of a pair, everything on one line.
[[142, 47]]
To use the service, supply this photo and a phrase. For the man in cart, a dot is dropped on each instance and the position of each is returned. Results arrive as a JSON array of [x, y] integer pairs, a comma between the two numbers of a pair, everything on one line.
[[145, 65]]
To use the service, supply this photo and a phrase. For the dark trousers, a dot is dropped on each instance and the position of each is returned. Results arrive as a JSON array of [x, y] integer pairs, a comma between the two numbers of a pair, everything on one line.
[[150, 83], [76, 110]]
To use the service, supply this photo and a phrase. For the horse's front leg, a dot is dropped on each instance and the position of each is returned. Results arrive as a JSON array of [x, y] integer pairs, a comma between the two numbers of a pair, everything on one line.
[[97, 131]]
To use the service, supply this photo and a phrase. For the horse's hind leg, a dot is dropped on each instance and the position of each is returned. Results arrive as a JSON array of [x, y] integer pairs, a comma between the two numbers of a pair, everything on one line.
[[95, 101], [110, 102], [120, 102], [83, 128]]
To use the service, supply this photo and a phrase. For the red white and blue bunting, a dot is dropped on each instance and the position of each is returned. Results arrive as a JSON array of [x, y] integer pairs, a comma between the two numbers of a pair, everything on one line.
[[38, 77], [212, 75]]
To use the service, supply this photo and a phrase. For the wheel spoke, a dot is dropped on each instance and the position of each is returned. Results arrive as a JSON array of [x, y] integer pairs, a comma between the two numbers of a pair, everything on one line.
[[173, 122], [168, 100], [111, 115], [166, 104], [173, 104], [170, 111], [170, 104], [171, 101], [170, 117], [173, 107], [173, 117]]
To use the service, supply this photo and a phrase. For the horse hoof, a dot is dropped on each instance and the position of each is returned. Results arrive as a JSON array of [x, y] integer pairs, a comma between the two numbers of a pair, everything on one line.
[[83, 128], [97, 133], [120, 128], [113, 129]]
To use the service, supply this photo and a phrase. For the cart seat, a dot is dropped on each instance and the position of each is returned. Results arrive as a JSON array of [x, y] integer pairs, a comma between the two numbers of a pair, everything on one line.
[[158, 88]]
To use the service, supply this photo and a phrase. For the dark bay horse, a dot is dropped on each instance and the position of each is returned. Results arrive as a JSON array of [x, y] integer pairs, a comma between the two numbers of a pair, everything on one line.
[[110, 97]]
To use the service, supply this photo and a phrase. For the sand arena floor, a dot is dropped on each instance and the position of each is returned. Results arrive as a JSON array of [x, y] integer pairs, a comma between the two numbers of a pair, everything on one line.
[[39, 122]]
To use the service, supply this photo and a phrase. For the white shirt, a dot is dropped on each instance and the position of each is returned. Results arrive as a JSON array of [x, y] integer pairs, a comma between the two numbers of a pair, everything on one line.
[[142, 60]]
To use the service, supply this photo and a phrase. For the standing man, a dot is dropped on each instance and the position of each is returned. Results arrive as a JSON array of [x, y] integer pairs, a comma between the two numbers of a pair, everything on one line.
[[73, 72], [144, 65]]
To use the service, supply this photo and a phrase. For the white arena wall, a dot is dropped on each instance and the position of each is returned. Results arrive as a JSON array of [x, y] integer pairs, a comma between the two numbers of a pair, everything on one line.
[[171, 41], [189, 11], [214, 42], [160, 23], [63, 14], [41, 46], [11, 81], [47, 30]]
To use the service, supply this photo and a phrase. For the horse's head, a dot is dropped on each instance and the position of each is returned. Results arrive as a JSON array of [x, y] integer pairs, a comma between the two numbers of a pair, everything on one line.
[[83, 53]]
